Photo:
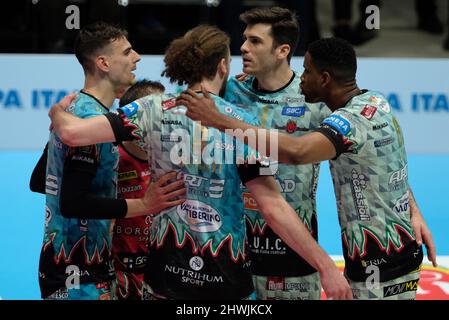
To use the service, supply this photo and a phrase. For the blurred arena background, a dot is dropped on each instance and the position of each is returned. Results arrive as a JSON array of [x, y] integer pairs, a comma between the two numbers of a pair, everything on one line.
[[409, 65]]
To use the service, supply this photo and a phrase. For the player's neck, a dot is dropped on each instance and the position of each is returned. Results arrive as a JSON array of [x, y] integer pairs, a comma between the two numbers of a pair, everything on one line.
[[211, 86], [101, 89], [340, 96], [275, 78]]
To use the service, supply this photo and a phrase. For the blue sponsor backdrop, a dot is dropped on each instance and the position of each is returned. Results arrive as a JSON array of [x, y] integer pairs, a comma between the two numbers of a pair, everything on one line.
[[417, 90]]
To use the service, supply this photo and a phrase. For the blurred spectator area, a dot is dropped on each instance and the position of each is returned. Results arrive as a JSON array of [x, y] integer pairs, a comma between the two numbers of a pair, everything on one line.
[[38, 26]]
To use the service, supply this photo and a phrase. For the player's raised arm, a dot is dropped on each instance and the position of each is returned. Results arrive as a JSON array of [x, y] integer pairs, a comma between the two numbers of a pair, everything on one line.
[[75, 131]]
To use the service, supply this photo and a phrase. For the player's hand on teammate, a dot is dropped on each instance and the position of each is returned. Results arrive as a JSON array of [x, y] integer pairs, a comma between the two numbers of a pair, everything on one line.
[[61, 105], [199, 107], [241, 76], [335, 284], [423, 234], [163, 194]]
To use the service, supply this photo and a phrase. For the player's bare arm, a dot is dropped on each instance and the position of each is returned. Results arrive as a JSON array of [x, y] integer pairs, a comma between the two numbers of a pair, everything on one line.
[[311, 148], [286, 223], [75, 131], [421, 230]]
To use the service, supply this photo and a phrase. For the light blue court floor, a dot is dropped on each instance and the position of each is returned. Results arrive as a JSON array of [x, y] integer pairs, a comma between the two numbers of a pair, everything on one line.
[[22, 216]]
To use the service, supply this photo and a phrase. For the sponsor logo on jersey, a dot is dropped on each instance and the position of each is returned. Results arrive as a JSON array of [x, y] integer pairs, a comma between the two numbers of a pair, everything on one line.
[[267, 101], [133, 230], [130, 109], [402, 204], [168, 104], [128, 175], [297, 100], [170, 138], [383, 142], [279, 284], [286, 185], [368, 112], [196, 263], [374, 262], [433, 283], [386, 107], [398, 179], [291, 127], [83, 225], [231, 111], [48, 216], [210, 188], [380, 126], [51, 185], [86, 149], [133, 262], [199, 216], [57, 144], [293, 111], [171, 122], [249, 202], [400, 288], [79, 157], [339, 123], [358, 184], [192, 277]]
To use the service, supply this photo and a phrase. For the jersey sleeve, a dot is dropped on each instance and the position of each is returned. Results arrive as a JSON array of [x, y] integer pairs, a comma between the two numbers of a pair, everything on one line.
[[77, 199], [37, 181], [128, 122], [253, 165], [345, 131]]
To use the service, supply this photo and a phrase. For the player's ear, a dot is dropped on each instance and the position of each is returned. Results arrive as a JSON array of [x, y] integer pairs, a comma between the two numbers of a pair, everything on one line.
[[283, 51], [326, 78], [222, 67], [102, 63]]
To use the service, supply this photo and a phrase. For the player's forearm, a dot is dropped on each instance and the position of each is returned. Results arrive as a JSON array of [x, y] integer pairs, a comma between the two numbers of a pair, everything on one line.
[[414, 210], [279, 147], [286, 223], [136, 207], [75, 131]]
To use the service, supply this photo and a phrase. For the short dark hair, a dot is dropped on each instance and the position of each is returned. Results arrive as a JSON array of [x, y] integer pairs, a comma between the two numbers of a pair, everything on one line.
[[336, 56], [196, 55], [140, 89], [93, 37], [284, 25]]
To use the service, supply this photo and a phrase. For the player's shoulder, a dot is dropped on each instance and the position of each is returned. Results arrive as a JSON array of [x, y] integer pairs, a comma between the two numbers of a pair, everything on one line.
[[87, 106], [236, 87], [234, 111]]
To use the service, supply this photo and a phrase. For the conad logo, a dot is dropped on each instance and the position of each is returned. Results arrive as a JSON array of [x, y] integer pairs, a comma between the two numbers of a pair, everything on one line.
[[249, 201], [433, 284], [199, 216]]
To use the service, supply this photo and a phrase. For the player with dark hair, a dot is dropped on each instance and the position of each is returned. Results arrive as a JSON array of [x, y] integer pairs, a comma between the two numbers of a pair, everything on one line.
[[198, 250], [80, 183], [381, 225], [270, 92], [131, 235]]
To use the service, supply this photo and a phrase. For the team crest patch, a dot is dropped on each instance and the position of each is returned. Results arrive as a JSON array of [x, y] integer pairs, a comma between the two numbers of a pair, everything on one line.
[[130, 109], [293, 111], [168, 104], [291, 126], [368, 112], [338, 123]]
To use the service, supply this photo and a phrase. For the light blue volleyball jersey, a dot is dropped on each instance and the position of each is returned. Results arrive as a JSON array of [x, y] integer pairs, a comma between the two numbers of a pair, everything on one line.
[[286, 111]]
